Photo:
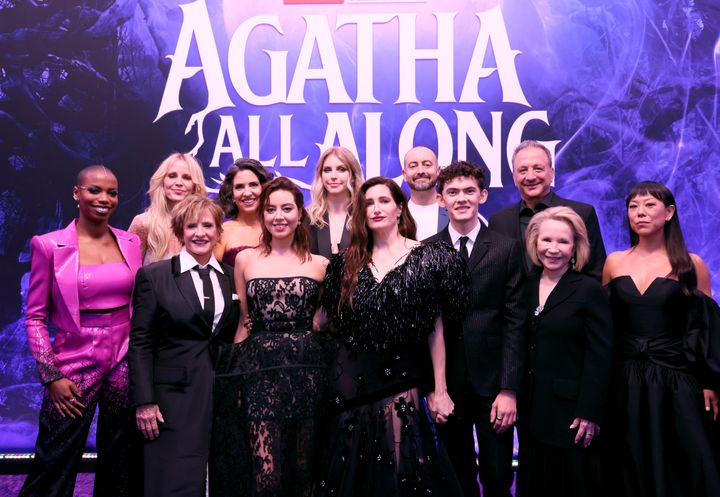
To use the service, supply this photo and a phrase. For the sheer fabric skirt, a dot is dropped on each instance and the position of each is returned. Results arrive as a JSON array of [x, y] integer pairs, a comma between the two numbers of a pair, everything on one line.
[[389, 448]]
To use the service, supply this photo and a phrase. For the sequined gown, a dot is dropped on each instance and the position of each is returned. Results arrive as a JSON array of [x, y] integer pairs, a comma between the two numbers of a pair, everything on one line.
[[659, 442], [382, 441], [270, 393]]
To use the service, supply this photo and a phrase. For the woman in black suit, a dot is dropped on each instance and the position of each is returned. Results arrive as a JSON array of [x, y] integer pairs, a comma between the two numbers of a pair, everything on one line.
[[570, 340], [184, 308]]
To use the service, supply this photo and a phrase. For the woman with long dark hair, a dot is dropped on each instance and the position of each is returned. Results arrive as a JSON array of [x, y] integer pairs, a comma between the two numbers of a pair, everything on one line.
[[659, 441], [272, 384], [239, 196], [386, 296], [82, 280], [336, 184]]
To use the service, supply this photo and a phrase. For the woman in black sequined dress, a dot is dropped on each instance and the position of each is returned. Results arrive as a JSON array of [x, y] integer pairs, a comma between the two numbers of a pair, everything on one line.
[[271, 385], [386, 296], [659, 442]]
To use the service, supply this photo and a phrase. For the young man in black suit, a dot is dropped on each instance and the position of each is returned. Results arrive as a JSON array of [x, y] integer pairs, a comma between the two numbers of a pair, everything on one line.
[[533, 175], [484, 354]]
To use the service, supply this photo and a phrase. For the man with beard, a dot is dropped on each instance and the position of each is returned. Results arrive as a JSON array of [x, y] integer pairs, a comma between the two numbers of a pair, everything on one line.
[[420, 172], [533, 175]]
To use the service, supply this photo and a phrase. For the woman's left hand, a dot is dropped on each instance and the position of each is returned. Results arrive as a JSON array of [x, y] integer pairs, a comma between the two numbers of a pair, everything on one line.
[[712, 402], [441, 406], [587, 430]]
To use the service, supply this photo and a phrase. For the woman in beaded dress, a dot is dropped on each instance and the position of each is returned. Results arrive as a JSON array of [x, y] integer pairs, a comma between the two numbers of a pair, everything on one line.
[[239, 197], [386, 296], [276, 375], [177, 176], [336, 184], [666, 357]]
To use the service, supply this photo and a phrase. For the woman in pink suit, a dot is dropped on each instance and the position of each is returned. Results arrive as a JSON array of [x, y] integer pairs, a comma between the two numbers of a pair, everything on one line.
[[81, 280]]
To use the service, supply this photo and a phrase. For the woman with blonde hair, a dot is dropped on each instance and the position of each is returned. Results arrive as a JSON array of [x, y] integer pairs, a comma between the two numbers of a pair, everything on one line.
[[178, 176], [337, 181], [569, 357]]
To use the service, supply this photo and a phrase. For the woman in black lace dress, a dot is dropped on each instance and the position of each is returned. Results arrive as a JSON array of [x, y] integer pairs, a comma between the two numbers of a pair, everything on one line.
[[272, 386], [387, 296], [659, 442]]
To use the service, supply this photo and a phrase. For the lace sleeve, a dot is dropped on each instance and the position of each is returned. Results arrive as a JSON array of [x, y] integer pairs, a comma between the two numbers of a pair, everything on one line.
[[138, 226]]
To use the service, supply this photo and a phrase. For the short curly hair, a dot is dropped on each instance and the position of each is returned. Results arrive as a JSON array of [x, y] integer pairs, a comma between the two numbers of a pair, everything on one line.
[[458, 169]]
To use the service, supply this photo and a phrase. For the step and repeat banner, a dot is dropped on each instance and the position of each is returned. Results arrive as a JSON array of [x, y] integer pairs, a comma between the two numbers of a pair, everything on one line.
[[619, 90]]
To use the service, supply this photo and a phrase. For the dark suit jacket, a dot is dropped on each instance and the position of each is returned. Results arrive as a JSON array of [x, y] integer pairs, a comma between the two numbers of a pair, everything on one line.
[[507, 222], [570, 355], [489, 347], [171, 355], [443, 219], [320, 239]]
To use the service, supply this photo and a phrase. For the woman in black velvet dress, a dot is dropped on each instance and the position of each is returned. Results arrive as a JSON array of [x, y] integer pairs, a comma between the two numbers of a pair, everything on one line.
[[665, 357], [386, 296]]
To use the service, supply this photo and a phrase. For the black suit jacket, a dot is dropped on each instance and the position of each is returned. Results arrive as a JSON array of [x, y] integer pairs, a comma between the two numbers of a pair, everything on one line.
[[171, 358], [570, 354], [507, 222], [320, 239], [489, 346]]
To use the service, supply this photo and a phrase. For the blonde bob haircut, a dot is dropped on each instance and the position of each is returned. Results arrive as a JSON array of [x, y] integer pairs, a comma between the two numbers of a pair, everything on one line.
[[569, 217], [319, 205], [159, 233], [190, 208]]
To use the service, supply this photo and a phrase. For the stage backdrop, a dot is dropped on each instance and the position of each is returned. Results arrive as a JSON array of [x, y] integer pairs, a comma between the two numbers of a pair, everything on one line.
[[619, 90]]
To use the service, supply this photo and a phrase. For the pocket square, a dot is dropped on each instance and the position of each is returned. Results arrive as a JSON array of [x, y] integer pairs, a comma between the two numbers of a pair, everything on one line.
[[235, 296]]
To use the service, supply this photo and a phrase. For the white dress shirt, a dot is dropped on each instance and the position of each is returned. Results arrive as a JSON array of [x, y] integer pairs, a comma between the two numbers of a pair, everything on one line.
[[472, 236], [188, 263]]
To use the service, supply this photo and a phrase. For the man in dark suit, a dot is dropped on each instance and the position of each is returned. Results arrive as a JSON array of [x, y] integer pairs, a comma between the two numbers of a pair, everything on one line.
[[420, 172], [485, 355], [533, 175], [183, 309]]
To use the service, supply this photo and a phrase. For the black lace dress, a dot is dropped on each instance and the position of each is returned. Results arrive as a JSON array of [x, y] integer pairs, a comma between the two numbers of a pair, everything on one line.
[[658, 430], [382, 441], [271, 391]]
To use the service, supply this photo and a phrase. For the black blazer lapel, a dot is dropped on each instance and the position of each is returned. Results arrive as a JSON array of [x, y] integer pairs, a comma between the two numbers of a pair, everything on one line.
[[444, 235], [562, 291], [323, 237], [480, 248], [224, 280], [344, 239]]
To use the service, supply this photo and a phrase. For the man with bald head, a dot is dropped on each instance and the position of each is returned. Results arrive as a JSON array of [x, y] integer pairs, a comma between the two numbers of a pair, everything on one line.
[[420, 172]]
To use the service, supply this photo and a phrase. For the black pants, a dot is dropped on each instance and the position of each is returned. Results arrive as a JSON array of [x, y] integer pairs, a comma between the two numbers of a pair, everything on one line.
[[493, 461], [61, 442]]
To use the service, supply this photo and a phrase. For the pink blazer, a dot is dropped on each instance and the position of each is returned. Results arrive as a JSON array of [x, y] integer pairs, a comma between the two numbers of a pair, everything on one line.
[[53, 294]]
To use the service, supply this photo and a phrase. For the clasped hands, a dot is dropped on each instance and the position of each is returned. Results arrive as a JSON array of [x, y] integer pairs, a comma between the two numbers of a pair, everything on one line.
[[441, 406]]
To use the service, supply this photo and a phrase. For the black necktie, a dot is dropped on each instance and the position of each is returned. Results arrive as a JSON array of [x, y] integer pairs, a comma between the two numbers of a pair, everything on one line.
[[208, 312], [463, 248]]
